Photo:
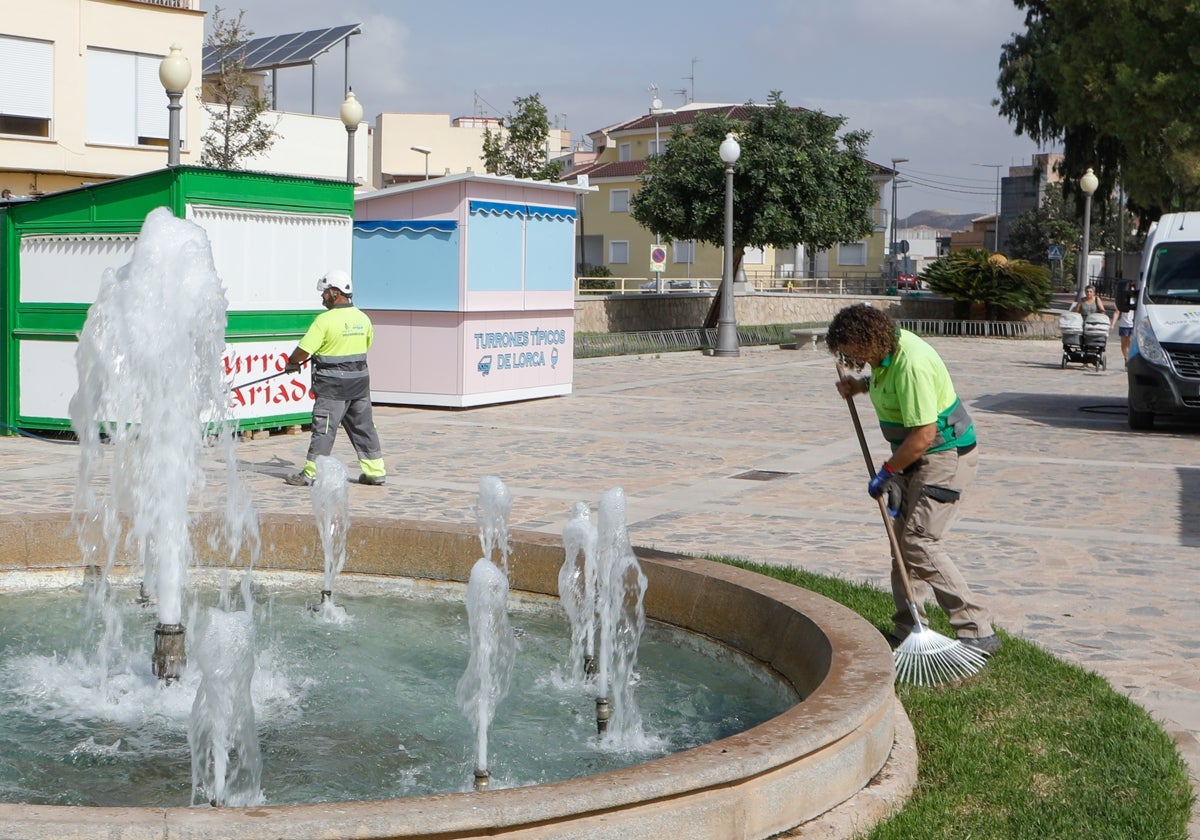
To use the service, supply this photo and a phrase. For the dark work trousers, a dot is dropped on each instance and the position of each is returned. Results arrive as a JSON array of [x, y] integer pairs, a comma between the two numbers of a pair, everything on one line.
[[355, 417]]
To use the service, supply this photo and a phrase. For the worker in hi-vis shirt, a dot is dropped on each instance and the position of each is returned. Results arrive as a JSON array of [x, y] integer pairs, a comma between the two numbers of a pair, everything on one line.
[[337, 343]]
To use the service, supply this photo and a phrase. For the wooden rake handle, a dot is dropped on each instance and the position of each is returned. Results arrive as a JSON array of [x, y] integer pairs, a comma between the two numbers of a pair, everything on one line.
[[897, 554]]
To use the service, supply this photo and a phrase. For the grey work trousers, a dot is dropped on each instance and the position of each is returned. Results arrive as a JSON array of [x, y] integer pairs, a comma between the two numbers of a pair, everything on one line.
[[354, 416], [921, 527]]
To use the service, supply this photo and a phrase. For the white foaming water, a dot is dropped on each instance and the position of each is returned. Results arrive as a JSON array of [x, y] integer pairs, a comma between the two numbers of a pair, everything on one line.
[[492, 512], [493, 644], [151, 383], [493, 653], [152, 395], [622, 588], [226, 761], [577, 586], [332, 511]]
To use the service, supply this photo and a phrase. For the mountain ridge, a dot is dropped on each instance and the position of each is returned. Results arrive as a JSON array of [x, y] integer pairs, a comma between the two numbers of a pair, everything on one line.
[[946, 220]]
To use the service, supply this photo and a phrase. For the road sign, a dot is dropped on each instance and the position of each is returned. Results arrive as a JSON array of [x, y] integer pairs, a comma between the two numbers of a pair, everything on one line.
[[1055, 252], [658, 259]]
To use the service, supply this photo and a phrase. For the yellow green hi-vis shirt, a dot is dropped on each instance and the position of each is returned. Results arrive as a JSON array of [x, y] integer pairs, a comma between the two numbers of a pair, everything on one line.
[[912, 387], [338, 340]]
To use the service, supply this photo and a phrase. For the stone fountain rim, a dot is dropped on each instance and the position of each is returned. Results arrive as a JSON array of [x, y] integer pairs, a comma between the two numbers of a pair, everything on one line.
[[855, 696]]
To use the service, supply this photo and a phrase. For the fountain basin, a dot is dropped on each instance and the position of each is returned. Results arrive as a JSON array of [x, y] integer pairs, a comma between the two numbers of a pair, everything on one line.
[[767, 779]]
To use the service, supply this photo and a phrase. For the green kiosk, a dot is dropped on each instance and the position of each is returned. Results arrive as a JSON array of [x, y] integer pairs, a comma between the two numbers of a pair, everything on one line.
[[271, 235]]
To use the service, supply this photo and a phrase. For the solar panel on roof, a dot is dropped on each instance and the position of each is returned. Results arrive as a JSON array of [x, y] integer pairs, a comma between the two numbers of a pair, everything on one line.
[[277, 51]]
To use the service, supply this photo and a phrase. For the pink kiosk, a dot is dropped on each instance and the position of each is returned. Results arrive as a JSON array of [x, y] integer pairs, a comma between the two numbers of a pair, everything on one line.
[[469, 280]]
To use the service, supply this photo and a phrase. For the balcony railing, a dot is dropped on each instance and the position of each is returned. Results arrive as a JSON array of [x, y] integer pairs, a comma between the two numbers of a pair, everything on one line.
[[169, 4]]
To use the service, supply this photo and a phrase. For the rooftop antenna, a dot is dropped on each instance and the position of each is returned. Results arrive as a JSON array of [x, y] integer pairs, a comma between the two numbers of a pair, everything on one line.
[[692, 78], [682, 92]]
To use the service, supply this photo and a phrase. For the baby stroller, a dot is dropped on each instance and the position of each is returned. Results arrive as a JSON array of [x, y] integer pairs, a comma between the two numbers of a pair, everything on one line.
[[1084, 340]]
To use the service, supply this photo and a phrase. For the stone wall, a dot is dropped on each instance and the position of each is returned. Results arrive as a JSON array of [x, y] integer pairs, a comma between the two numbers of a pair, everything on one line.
[[639, 313]]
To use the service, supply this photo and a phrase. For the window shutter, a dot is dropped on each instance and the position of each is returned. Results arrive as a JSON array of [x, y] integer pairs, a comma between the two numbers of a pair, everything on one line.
[[111, 107], [26, 78]]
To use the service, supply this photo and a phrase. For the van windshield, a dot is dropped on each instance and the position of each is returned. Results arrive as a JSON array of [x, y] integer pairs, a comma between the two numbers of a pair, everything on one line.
[[1174, 274]]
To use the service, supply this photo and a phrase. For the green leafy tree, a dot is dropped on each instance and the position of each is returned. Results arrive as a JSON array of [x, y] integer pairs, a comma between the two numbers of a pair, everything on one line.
[[795, 182], [519, 148], [237, 130], [1116, 82], [979, 279]]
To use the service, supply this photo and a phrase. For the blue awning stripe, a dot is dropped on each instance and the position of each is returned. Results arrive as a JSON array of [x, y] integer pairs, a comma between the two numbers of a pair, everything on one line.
[[397, 225], [538, 211], [535, 210], [500, 208]]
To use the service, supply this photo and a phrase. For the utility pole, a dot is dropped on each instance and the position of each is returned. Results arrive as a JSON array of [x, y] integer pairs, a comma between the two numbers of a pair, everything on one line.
[[892, 224]]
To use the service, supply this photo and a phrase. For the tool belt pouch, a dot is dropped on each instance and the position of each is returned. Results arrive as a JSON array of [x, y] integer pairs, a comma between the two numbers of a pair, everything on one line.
[[941, 494]]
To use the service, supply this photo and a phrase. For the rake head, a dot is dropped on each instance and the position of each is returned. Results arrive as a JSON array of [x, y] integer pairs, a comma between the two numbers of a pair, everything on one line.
[[929, 658]]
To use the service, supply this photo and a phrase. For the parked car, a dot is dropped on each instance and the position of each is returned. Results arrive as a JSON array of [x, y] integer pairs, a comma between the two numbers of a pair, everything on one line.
[[680, 285], [907, 281]]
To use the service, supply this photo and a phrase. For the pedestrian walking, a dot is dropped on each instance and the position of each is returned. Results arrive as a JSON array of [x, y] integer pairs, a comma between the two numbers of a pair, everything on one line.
[[337, 342]]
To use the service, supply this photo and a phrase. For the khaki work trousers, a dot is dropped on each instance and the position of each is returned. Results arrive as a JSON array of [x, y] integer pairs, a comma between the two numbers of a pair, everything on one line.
[[921, 526]]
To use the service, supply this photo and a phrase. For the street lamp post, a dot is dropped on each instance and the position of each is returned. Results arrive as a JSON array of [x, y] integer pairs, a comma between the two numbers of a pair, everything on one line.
[[1087, 184], [727, 337], [351, 113], [424, 150], [892, 267], [174, 72], [996, 230]]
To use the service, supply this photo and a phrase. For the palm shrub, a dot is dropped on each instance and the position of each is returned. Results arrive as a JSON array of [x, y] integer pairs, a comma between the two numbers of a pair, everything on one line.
[[980, 279]]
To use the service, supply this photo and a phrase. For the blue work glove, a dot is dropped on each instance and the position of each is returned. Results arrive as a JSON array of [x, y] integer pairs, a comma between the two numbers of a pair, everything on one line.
[[885, 482]]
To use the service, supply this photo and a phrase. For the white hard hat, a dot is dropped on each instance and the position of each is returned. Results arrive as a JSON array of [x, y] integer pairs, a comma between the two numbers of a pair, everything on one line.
[[336, 279]]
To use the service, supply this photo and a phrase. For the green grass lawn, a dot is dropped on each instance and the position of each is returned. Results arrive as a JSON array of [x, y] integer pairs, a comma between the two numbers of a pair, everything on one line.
[[1031, 747]]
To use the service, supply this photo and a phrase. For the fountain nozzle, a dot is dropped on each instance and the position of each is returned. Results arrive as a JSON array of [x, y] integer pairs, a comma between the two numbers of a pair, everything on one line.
[[483, 779], [326, 595], [170, 655], [602, 715]]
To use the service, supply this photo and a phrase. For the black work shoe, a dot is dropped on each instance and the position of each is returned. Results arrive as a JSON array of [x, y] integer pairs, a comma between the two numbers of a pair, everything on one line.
[[984, 644], [893, 640], [373, 480], [298, 480]]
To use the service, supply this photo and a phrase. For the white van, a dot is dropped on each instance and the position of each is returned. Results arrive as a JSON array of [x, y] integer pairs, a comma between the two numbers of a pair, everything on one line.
[[1164, 358]]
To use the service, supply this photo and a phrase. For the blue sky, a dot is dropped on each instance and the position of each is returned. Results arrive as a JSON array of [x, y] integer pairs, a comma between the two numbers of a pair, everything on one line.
[[918, 74]]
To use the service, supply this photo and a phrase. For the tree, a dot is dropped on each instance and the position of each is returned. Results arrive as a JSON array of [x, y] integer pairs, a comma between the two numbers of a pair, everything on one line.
[[976, 277], [519, 148], [795, 183], [237, 131], [1116, 82]]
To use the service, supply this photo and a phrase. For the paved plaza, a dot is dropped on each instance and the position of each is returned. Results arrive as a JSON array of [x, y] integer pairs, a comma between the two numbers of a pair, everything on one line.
[[1078, 534]]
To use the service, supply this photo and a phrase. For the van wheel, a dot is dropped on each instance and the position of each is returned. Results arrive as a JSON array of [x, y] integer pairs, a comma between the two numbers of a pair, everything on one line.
[[1141, 421], [1064, 361]]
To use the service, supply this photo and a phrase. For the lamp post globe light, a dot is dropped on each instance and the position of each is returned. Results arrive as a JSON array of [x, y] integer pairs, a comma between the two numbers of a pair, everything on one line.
[[174, 72], [351, 113], [1087, 184], [727, 337]]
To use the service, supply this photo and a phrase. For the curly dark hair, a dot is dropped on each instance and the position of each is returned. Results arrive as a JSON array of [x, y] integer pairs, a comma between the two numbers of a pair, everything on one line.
[[868, 328]]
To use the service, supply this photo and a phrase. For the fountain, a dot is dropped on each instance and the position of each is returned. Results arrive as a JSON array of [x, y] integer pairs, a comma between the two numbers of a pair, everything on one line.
[[577, 589], [493, 645], [149, 372], [755, 783], [331, 510]]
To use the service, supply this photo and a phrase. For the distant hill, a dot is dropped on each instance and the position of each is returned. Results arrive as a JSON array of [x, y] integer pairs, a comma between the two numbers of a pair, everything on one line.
[[940, 220]]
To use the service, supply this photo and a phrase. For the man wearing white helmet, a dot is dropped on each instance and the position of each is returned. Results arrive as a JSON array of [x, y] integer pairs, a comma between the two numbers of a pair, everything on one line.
[[337, 343]]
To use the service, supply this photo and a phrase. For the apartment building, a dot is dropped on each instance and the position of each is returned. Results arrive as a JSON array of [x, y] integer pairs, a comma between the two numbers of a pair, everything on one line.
[[80, 98], [610, 237]]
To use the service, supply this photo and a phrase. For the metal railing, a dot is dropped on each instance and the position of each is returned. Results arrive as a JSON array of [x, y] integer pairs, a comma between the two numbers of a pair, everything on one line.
[[592, 345], [865, 283], [170, 4]]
